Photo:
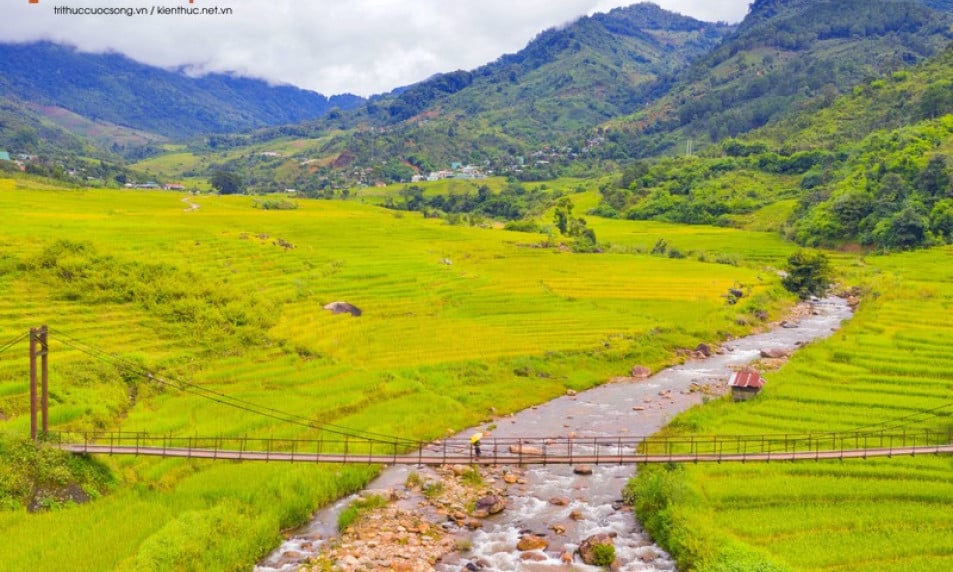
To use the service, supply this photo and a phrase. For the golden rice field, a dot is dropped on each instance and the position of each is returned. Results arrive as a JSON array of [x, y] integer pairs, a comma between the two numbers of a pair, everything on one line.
[[230, 297]]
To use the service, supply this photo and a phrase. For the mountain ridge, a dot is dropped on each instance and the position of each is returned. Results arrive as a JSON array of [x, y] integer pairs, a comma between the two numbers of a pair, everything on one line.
[[113, 88]]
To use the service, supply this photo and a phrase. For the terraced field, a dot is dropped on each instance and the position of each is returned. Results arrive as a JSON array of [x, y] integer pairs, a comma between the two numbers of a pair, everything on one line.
[[887, 369], [458, 322]]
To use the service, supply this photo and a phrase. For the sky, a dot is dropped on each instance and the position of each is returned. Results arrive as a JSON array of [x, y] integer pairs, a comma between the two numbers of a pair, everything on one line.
[[362, 47]]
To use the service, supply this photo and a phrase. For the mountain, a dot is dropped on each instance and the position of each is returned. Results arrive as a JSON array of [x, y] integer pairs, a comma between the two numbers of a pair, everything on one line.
[[870, 168], [111, 89], [563, 84], [787, 55]]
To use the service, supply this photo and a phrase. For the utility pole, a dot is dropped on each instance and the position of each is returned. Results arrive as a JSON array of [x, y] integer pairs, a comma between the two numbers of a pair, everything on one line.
[[39, 348]]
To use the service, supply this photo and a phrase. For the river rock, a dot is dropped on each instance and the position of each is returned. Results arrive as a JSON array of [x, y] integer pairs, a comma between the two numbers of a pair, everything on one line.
[[583, 470], [649, 556], [490, 504], [775, 353], [586, 550], [532, 542], [566, 558], [640, 372], [559, 501], [703, 349], [576, 515], [525, 450], [510, 479]]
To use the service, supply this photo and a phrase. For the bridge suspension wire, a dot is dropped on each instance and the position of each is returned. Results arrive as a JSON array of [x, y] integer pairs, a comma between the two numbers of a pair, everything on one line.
[[14, 341], [222, 398], [901, 422]]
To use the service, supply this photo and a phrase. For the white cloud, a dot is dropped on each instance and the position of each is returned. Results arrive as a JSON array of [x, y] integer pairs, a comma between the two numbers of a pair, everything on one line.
[[331, 46]]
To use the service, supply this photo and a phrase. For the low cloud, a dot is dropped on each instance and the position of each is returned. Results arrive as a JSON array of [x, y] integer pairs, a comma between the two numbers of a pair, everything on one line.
[[357, 46]]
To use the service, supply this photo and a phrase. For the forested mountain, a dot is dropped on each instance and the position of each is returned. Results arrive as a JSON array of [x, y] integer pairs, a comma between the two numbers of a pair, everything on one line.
[[872, 168], [113, 89], [550, 95], [785, 56]]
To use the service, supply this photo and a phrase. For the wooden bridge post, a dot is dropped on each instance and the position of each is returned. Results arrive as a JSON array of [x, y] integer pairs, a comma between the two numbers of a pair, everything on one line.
[[33, 390], [44, 380]]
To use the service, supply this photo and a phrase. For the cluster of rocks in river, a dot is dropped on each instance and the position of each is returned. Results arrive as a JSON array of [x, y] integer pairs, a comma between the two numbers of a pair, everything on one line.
[[425, 522]]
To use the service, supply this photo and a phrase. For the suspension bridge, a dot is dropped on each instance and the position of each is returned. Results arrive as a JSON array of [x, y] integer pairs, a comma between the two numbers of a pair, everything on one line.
[[519, 451], [342, 445]]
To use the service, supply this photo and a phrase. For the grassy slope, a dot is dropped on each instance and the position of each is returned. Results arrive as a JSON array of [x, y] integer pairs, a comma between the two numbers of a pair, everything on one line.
[[436, 348], [889, 362]]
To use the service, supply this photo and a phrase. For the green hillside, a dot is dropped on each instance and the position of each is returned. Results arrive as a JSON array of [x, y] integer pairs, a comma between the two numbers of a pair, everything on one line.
[[872, 168]]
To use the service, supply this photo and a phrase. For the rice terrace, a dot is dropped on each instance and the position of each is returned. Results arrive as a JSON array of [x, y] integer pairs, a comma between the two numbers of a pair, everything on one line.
[[209, 296]]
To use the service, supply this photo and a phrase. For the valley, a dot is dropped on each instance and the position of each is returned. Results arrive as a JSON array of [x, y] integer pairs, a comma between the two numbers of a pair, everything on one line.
[[626, 187]]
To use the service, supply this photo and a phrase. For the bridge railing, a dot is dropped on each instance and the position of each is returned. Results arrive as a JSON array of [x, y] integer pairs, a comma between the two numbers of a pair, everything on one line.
[[722, 445], [526, 450]]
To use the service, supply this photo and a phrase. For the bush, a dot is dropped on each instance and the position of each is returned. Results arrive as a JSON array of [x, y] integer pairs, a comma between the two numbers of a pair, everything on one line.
[[808, 274], [603, 554]]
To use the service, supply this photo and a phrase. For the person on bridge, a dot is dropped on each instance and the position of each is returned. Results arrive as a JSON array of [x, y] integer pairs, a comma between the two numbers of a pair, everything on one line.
[[475, 441]]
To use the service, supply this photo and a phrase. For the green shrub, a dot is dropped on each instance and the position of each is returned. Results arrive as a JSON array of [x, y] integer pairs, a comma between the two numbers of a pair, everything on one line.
[[357, 508], [603, 554]]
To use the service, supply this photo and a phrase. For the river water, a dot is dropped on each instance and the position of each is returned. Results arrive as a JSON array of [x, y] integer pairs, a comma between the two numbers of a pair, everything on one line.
[[629, 408]]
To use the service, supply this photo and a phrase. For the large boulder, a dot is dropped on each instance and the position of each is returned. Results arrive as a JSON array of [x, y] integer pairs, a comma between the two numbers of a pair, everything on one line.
[[490, 504], [343, 308], [640, 372], [587, 549], [532, 542]]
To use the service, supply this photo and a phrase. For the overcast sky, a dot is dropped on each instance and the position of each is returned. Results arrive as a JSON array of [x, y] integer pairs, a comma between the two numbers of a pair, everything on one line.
[[331, 46]]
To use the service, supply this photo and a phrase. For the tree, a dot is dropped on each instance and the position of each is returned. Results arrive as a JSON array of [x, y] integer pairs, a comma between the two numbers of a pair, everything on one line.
[[228, 183], [906, 229], [808, 274], [941, 219], [563, 215], [934, 180]]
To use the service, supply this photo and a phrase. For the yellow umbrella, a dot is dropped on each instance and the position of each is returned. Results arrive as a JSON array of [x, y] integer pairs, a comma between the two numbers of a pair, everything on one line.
[[476, 437]]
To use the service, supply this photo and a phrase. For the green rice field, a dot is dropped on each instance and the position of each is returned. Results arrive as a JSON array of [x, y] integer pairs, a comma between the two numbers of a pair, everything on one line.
[[887, 369], [460, 325]]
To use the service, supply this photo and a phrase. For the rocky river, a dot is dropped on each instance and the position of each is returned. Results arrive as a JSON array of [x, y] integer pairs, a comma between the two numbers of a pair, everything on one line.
[[549, 511]]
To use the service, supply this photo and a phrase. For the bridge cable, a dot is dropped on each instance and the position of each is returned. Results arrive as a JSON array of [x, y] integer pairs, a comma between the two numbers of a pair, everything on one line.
[[14, 342], [897, 422], [222, 398]]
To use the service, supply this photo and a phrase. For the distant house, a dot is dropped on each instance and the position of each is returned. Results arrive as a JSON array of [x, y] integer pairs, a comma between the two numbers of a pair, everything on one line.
[[174, 187], [4, 156], [745, 384]]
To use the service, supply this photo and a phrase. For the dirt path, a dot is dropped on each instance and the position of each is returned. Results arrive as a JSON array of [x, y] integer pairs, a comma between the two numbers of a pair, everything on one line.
[[191, 206]]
